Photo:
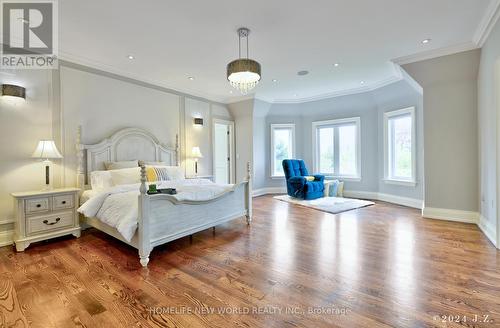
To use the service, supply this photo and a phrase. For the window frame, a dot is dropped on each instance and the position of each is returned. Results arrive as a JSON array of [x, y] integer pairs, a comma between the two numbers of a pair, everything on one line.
[[280, 126], [412, 181], [315, 149]]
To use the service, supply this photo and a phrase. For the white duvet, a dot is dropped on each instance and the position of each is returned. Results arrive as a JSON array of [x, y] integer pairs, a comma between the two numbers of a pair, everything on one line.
[[118, 206]]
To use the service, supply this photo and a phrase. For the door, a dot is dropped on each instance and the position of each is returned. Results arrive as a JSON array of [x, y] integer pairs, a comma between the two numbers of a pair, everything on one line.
[[223, 151]]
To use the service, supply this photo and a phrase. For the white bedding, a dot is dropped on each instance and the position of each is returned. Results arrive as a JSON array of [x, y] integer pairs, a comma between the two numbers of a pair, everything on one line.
[[118, 206]]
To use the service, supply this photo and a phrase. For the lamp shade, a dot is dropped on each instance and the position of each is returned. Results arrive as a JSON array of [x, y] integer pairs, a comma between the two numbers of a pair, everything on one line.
[[46, 149], [196, 153]]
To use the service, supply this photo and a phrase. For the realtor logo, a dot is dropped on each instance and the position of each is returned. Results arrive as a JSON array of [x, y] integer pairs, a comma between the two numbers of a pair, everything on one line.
[[29, 34]]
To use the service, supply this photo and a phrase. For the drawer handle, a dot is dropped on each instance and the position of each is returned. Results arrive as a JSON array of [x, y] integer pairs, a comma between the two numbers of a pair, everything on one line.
[[38, 205], [63, 202], [51, 223]]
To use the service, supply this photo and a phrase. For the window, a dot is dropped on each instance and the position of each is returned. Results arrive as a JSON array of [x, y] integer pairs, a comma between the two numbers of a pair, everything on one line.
[[282, 146], [399, 146], [336, 146]]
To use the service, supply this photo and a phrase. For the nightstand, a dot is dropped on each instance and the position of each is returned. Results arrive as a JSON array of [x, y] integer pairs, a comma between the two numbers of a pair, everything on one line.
[[46, 214]]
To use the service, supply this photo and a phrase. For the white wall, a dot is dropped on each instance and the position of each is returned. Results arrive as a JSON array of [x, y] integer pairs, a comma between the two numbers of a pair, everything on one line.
[[488, 134], [21, 127], [450, 130], [242, 113], [198, 136]]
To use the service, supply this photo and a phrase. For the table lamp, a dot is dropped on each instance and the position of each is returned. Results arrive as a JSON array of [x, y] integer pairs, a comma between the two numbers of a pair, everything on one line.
[[47, 150], [196, 153]]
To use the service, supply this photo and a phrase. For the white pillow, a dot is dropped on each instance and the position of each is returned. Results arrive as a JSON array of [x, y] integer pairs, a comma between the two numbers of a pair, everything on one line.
[[175, 173], [100, 180], [121, 165], [126, 176]]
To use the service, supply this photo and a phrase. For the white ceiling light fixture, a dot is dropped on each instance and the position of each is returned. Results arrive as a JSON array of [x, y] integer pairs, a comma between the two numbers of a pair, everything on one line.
[[274, 80], [243, 73], [362, 82], [426, 41], [191, 78], [336, 65], [130, 57]]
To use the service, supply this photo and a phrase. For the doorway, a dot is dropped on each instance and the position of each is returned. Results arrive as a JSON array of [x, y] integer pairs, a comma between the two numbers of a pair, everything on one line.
[[223, 148]]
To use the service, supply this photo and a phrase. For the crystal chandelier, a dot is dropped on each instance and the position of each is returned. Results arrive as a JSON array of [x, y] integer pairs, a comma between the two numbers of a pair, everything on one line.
[[243, 73]]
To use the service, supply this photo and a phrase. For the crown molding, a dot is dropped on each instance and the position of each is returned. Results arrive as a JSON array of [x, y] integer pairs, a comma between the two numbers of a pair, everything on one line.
[[340, 93], [80, 60], [434, 53], [486, 25]]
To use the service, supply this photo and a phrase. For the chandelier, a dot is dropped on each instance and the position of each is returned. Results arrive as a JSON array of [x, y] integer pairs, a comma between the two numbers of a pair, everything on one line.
[[243, 73]]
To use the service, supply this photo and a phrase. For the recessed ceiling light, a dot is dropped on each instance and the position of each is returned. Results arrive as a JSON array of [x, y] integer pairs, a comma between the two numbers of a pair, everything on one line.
[[190, 78], [426, 41], [302, 73], [362, 82], [274, 80], [336, 65], [130, 57]]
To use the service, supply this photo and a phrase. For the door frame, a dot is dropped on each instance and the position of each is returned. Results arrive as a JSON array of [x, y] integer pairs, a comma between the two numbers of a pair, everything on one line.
[[231, 148]]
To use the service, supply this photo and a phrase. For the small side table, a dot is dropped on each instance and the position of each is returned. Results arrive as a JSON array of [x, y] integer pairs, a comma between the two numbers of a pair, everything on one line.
[[41, 215]]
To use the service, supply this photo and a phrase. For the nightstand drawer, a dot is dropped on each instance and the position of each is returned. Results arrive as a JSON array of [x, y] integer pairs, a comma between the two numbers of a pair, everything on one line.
[[37, 205], [62, 202], [49, 222]]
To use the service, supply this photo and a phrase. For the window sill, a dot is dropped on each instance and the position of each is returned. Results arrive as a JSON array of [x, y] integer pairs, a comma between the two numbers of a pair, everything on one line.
[[400, 182], [332, 177]]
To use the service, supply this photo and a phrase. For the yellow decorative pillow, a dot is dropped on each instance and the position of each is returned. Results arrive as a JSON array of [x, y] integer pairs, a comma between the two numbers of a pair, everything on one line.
[[309, 178], [151, 174]]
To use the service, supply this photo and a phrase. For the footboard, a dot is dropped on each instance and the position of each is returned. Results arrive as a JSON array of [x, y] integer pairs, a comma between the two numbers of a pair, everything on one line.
[[162, 218]]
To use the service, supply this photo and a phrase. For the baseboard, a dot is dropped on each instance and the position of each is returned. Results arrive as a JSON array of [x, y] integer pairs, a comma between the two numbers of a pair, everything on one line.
[[450, 215], [488, 230], [6, 238], [266, 191], [398, 200]]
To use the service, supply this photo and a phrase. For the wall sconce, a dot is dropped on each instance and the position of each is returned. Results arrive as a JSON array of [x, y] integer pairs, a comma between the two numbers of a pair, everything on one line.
[[13, 91], [198, 121]]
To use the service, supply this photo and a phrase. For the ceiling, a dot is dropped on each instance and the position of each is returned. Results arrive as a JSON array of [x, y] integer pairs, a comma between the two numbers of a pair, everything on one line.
[[173, 40]]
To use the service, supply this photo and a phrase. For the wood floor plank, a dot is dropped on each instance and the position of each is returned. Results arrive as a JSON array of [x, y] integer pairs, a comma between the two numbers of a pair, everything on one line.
[[380, 266]]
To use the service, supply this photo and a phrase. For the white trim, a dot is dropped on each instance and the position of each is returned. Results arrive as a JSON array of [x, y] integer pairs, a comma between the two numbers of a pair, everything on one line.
[[387, 116], [450, 215], [336, 123], [91, 63], [6, 238], [400, 182], [267, 191], [398, 200], [434, 53], [281, 126], [487, 23], [488, 229], [6, 221], [231, 148]]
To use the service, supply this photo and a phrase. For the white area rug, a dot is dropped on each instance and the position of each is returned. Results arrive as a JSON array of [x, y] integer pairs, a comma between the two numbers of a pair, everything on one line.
[[328, 204]]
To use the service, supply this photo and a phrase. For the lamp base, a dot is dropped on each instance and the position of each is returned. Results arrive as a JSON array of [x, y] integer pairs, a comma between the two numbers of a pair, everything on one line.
[[48, 181]]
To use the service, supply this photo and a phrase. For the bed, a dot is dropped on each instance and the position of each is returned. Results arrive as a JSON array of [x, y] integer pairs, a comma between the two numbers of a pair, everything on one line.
[[161, 218]]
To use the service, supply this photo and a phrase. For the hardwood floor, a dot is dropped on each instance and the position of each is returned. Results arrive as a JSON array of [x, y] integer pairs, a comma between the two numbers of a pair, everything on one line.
[[380, 266]]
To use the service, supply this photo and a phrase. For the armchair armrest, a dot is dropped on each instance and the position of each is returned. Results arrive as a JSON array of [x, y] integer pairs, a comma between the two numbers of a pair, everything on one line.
[[319, 177], [297, 180]]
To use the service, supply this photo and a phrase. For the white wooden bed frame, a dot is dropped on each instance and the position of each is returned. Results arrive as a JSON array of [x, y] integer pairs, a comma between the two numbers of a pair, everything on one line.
[[161, 217]]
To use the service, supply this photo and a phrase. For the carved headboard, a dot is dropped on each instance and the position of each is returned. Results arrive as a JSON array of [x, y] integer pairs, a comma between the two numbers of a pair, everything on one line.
[[124, 145]]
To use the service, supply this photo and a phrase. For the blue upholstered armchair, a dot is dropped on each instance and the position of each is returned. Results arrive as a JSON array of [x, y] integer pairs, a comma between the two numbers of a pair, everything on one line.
[[297, 185]]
